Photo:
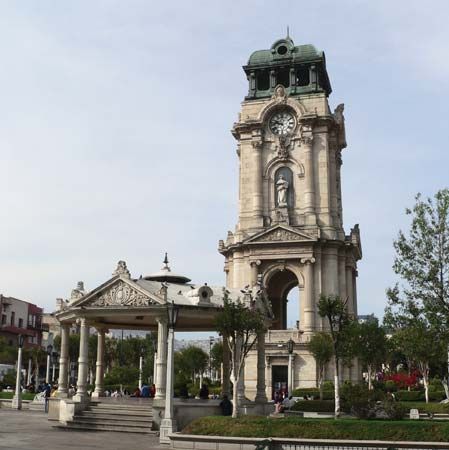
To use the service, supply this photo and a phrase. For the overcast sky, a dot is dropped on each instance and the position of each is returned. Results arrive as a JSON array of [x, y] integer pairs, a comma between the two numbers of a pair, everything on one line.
[[115, 123]]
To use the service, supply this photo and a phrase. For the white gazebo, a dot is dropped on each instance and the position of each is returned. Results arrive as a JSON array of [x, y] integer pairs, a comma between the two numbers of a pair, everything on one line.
[[123, 302]]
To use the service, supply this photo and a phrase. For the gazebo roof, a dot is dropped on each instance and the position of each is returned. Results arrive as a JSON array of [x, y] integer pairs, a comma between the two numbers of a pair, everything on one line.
[[166, 275]]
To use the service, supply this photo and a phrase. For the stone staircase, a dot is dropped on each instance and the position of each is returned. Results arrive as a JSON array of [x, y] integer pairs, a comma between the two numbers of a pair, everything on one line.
[[118, 417]]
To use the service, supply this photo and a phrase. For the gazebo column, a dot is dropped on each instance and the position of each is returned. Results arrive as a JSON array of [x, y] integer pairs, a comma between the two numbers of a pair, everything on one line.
[[83, 361], [261, 394], [64, 361], [99, 375], [161, 372], [225, 380]]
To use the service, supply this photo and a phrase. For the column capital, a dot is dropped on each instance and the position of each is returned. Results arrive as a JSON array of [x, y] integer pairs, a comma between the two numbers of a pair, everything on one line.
[[255, 262], [308, 260], [82, 321]]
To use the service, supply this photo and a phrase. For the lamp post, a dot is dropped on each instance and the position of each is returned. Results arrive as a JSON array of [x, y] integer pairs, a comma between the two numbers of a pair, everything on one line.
[[17, 399], [47, 373], [211, 341], [290, 348], [142, 352], [168, 423]]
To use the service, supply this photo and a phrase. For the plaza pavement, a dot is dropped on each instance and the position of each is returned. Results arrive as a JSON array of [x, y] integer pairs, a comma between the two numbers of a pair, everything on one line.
[[29, 430]]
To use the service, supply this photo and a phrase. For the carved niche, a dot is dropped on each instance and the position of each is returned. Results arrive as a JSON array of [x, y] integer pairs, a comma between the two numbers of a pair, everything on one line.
[[122, 294]]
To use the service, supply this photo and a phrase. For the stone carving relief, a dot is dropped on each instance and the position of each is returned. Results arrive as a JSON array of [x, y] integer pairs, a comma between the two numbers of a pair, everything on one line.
[[122, 294], [280, 94], [279, 235]]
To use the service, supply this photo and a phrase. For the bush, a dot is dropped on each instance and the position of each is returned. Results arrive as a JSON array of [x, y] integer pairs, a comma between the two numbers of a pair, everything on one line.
[[122, 375], [360, 402], [328, 386], [313, 392], [409, 396], [314, 406], [394, 410], [390, 385]]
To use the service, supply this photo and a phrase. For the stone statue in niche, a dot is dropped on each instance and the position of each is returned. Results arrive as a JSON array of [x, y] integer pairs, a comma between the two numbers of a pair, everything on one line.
[[282, 189]]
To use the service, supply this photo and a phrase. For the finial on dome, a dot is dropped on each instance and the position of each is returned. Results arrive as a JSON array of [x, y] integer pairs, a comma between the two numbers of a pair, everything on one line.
[[166, 268], [288, 32]]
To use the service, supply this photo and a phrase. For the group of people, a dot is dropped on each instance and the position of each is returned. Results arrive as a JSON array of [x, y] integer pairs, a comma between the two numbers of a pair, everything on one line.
[[282, 401]]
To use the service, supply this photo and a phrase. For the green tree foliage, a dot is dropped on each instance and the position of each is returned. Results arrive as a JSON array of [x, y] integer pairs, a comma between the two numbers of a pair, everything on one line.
[[239, 327], [370, 346], [8, 353], [217, 355], [418, 306], [320, 345], [333, 308], [422, 260], [190, 361]]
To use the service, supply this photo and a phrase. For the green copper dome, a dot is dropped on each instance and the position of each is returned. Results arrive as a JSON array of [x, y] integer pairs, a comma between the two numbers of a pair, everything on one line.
[[301, 69]]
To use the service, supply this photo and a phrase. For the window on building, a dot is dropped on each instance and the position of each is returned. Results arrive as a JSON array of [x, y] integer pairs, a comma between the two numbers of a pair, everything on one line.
[[263, 80], [20, 323], [302, 76], [13, 318], [4, 319], [283, 77]]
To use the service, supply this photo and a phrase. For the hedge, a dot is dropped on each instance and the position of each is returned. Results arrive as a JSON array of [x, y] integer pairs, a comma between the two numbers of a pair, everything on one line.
[[419, 396], [295, 427], [10, 395], [313, 392]]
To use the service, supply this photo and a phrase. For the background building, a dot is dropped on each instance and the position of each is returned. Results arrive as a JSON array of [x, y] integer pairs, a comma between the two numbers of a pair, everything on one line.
[[21, 317]]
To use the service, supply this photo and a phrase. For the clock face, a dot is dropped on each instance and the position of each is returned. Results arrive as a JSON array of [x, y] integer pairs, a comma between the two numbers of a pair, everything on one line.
[[282, 123]]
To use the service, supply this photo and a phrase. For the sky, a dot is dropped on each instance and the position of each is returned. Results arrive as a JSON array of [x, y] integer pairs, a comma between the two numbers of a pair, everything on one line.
[[115, 123]]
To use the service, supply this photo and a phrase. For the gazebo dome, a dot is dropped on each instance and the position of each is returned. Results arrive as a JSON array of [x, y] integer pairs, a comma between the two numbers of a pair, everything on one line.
[[165, 274]]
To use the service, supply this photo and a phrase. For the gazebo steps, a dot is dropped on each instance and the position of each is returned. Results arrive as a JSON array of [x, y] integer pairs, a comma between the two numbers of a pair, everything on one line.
[[123, 417], [90, 426], [119, 417]]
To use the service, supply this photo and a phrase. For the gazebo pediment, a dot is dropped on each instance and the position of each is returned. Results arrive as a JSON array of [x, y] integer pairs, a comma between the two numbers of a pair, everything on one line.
[[120, 292]]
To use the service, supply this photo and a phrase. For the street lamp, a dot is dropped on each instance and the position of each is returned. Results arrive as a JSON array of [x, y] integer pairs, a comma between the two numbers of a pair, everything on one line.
[[290, 348], [142, 352], [211, 341], [49, 352], [54, 362], [168, 423], [17, 399]]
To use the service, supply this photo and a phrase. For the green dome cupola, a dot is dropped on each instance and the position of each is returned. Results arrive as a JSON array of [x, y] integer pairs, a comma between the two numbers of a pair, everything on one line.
[[300, 69]]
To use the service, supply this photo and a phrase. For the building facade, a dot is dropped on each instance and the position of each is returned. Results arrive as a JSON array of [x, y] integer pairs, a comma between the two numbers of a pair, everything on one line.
[[20, 317], [290, 222]]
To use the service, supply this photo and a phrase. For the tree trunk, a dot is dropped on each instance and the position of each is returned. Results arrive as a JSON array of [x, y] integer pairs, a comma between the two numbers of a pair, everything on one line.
[[426, 384], [337, 390], [235, 396], [320, 382], [370, 382]]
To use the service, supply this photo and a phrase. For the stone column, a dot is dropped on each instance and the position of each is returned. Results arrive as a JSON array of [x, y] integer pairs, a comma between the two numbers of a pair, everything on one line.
[[309, 303], [261, 394], [349, 289], [161, 358], [333, 183], [342, 277], [225, 381], [64, 361], [17, 398], [354, 292], [254, 271], [168, 423], [83, 361], [309, 189], [257, 176], [99, 374], [154, 367]]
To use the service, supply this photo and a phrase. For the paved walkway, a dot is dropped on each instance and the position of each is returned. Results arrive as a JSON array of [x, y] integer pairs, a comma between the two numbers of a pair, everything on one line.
[[29, 430]]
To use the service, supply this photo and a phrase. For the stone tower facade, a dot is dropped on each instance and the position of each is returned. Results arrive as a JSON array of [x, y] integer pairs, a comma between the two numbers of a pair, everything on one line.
[[290, 224]]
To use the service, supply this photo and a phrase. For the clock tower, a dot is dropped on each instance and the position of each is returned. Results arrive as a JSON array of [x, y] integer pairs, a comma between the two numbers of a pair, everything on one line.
[[290, 221]]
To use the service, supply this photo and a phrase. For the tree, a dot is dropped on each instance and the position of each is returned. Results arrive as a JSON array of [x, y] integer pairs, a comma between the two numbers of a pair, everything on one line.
[[370, 346], [239, 326], [334, 310], [422, 260], [217, 356], [190, 361], [320, 345]]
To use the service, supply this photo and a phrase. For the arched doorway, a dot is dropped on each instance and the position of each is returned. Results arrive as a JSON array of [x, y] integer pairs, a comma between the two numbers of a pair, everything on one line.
[[283, 291]]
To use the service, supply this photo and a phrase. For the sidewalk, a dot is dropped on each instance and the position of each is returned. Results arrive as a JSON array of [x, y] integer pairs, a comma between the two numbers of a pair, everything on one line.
[[28, 430]]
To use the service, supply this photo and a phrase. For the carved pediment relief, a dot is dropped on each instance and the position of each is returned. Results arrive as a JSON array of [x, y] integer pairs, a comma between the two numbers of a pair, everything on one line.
[[121, 294], [280, 234]]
